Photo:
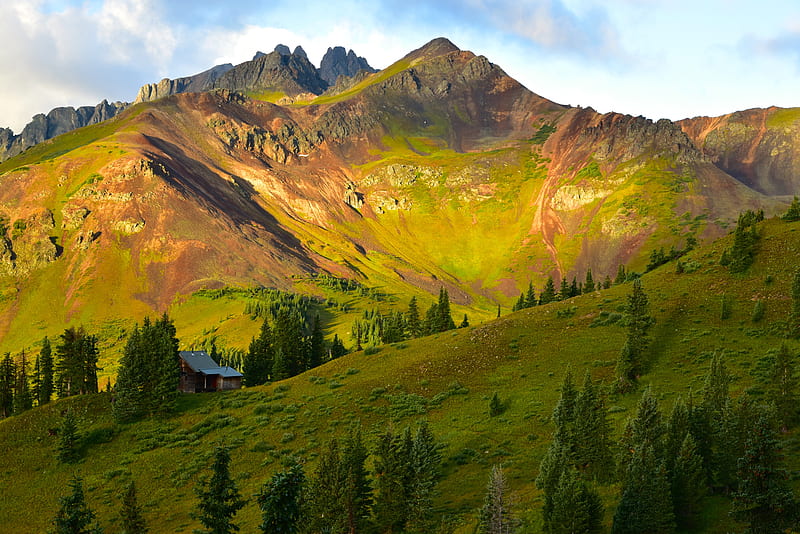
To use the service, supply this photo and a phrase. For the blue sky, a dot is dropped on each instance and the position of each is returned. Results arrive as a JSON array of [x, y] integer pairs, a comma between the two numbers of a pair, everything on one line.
[[657, 58]]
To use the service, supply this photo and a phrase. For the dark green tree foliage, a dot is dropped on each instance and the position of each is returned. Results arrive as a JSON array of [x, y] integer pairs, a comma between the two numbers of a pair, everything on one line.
[[337, 347], [356, 489], [131, 518], [288, 339], [646, 501], [44, 391], [495, 405], [592, 433], [444, 317], [149, 373], [413, 323], [7, 375], [326, 493], [794, 316], [677, 427], [564, 413], [588, 286], [688, 483], [76, 363], [729, 441], [793, 213], [464, 322], [316, 344], [392, 475], [638, 322], [219, 498], [764, 499], [74, 516], [67, 451], [574, 289], [280, 502], [564, 290], [259, 359], [646, 429], [280, 366], [530, 296], [548, 294], [555, 462], [622, 276], [745, 238], [607, 282], [23, 400], [426, 460], [715, 390], [758, 311], [496, 515], [782, 387], [576, 506]]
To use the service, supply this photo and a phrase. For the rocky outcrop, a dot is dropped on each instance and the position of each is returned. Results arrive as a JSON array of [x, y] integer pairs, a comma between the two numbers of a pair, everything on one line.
[[56, 122], [337, 62], [28, 244], [287, 73], [191, 84]]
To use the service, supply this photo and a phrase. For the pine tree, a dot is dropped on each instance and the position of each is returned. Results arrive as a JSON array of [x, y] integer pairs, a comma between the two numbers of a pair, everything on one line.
[[45, 390], [563, 290], [424, 476], [519, 304], [280, 367], [530, 296], [280, 501], [647, 428], [76, 367], [548, 294], [638, 322], [556, 460], [497, 515], [715, 391], [576, 507], [7, 376], [22, 394], [622, 276], [794, 316], [326, 493], [356, 489], [783, 387], [316, 344], [68, 438], [392, 474], [495, 405], [764, 498], [131, 518], [793, 213], [259, 359], [646, 501], [564, 413], [444, 319], [288, 336], [574, 290], [430, 324], [413, 324], [688, 483], [337, 347], [588, 286], [592, 449], [742, 254], [219, 498], [464, 322], [607, 282], [74, 516]]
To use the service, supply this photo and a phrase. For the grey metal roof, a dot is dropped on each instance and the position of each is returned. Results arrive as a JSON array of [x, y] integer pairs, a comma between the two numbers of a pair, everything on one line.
[[225, 372], [201, 362]]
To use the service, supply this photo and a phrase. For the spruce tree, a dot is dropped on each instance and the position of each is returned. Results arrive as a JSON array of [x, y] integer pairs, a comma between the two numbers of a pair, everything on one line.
[[576, 507], [793, 213], [67, 451], [588, 286], [413, 324], [556, 460], [45, 392], [646, 501], [288, 336], [564, 413], [688, 483], [607, 282], [574, 290], [74, 516], [431, 323], [259, 359], [131, 519], [563, 291], [316, 344], [622, 276], [219, 499], [548, 294], [764, 499], [7, 378], [464, 322], [356, 488], [715, 391], [337, 347], [519, 304], [497, 515], [392, 474], [530, 296], [76, 363], [638, 322], [444, 319], [782, 388], [495, 405], [592, 434], [794, 316], [647, 428], [425, 474], [280, 501], [326, 493], [23, 400]]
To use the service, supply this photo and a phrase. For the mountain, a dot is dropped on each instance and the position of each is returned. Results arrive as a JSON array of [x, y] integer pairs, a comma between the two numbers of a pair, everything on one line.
[[56, 122], [439, 170], [190, 84], [338, 62]]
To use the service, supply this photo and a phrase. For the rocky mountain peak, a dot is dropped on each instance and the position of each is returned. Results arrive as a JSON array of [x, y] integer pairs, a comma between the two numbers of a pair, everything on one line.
[[437, 47], [283, 50], [298, 51], [338, 62]]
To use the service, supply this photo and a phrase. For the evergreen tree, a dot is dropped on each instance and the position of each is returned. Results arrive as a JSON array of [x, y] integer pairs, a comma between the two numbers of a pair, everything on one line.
[[316, 344], [497, 516], [392, 475], [74, 516], [356, 489], [76, 367], [588, 286], [430, 324], [574, 290], [495, 405], [607, 282], [646, 502], [622, 276], [564, 291], [337, 347], [326, 494], [280, 367], [688, 483], [280, 501], [764, 498], [783, 387], [219, 498], [45, 390], [677, 427], [288, 336], [68, 438], [646, 429], [424, 476], [530, 296], [564, 413], [742, 254], [592, 434], [638, 322], [576, 507], [729, 441], [715, 391], [131, 518], [464, 322], [548, 294], [758, 311], [520, 303], [22, 394], [794, 316], [413, 324], [259, 359], [7, 376], [557, 460], [793, 213], [444, 319]]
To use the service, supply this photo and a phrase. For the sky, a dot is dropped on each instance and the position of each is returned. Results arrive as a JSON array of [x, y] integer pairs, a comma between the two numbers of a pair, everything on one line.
[[658, 58]]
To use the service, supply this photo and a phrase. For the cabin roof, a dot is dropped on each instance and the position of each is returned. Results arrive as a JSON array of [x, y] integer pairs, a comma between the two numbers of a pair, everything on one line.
[[200, 362]]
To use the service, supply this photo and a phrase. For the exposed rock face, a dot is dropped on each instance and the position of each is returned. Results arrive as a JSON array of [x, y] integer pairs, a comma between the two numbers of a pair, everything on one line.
[[56, 122], [282, 49], [336, 62], [190, 84], [27, 245], [288, 73]]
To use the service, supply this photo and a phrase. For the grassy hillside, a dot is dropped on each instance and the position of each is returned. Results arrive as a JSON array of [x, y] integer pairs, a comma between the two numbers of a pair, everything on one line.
[[445, 379]]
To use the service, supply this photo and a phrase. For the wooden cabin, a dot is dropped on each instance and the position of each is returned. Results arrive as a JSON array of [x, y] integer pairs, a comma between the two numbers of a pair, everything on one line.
[[199, 373]]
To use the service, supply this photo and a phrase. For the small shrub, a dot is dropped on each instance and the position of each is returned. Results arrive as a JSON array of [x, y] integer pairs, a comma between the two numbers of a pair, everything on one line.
[[351, 371], [726, 307], [496, 406], [287, 437], [371, 350], [281, 388], [758, 311]]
